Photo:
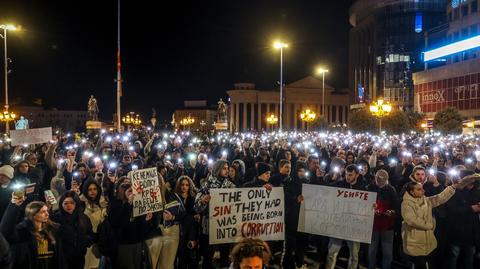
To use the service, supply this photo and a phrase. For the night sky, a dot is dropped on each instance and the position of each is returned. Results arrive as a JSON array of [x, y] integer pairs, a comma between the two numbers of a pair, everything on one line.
[[171, 51]]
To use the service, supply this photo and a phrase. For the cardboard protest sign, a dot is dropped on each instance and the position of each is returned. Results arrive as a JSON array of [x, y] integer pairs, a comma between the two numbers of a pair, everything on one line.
[[146, 190], [246, 212], [337, 212], [31, 136]]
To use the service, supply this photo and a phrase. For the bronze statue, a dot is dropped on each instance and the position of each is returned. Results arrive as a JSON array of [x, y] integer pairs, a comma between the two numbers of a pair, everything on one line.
[[93, 108]]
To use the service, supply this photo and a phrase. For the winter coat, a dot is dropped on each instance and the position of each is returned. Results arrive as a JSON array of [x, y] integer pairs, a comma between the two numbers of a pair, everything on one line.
[[278, 179], [75, 232], [96, 213], [5, 197], [23, 243], [255, 183], [418, 222], [387, 199], [292, 189], [463, 223]]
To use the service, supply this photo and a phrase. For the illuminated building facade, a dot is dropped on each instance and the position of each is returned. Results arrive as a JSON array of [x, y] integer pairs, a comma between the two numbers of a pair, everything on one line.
[[385, 45], [452, 66]]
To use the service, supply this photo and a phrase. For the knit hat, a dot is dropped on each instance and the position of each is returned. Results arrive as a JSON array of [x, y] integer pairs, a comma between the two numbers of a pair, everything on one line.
[[7, 170], [262, 168], [382, 174]]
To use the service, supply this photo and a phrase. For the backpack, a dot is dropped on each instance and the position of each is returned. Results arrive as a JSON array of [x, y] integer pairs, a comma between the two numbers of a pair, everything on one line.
[[107, 239]]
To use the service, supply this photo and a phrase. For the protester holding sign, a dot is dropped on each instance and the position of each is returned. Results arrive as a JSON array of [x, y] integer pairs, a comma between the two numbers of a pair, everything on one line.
[[352, 180], [386, 208], [295, 242], [218, 180]]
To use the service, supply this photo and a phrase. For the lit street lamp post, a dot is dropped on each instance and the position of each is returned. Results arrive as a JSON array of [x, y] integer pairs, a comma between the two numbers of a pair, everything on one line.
[[380, 109], [281, 46], [272, 120], [6, 116], [308, 116], [132, 119], [187, 121], [323, 71]]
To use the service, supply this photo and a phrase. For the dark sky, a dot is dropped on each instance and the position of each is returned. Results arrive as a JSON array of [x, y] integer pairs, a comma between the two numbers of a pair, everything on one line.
[[171, 51]]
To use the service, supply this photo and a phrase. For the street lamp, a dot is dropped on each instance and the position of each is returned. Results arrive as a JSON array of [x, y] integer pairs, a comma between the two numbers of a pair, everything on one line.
[[323, 71], [132, 119], [280, 45], [6, 27], [187, 121], [308, 116], [272, 120], [380, 109]]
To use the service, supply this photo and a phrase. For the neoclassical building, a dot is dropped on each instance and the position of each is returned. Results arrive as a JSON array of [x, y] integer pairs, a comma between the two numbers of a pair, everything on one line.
[[249, 107]]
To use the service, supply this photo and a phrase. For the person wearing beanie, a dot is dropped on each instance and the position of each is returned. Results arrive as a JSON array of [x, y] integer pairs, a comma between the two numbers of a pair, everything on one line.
[[217, 180], [264, 171], [6, 183], [386, 208], [430, 183]]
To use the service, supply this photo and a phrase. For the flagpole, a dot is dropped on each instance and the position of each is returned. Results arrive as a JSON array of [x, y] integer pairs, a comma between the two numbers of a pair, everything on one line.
[[119, 74]]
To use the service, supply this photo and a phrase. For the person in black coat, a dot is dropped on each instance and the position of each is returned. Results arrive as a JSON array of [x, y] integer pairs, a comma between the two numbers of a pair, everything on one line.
[[264, 171], [34, 242], [463, 221], [189, 226], [283, 174], [75, 230], [294, 241]]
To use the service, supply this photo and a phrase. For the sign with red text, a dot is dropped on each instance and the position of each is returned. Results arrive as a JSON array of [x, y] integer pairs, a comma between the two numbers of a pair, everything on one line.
[[336, 212], [146, 190], [246, 212]]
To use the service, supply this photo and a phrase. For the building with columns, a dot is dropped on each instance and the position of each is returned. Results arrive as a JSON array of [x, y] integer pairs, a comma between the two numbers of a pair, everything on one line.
[[249, 107]]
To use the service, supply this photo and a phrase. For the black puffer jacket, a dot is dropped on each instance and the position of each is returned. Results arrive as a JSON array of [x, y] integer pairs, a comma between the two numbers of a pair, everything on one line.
[[75, 232]]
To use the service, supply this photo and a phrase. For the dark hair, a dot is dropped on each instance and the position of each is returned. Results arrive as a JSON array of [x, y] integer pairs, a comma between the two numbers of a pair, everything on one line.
[[48, 229], [410, 186], [312, 157], [77, 212], [248, 248], [192, 192], [283, 162], [86, 185], [351, 168]]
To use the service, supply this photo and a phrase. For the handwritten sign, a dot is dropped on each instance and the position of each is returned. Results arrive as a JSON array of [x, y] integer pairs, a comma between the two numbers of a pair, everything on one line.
[[247, 212], [146, 190], [336, 212], [31, 136]]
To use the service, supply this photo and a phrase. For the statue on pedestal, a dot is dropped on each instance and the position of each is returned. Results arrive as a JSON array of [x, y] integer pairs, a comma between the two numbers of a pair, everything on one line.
[[93, 108], [21, 124], [221, 111]]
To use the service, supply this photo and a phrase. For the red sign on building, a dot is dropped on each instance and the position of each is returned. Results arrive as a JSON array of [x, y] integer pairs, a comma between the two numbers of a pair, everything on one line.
[[459, 92]]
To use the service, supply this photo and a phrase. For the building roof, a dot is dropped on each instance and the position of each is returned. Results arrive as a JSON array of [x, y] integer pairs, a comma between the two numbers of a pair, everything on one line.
[[309, 82]]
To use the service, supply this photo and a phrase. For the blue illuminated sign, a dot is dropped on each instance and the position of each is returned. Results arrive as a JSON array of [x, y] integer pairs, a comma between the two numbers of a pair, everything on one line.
[[469, 43], [418, 22], [456, 3]]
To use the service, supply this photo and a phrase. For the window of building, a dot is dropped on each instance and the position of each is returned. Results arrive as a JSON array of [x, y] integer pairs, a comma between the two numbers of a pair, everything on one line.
[[473, 91], [464, 10], [473, 30], [473, 6]]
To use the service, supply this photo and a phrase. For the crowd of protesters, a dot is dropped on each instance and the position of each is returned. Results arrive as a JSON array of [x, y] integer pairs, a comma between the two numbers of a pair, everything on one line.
[[68, 203]]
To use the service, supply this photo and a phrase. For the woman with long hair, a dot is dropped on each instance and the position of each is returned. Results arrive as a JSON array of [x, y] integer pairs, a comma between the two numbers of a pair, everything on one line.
[[75, 229], [250, 253], [95, 208], [35, 241], [185, 190]]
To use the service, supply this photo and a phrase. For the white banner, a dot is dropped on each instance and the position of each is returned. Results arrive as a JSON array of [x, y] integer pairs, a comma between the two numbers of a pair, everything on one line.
[[246, 212], [336, 212], [147, 195], [31, 136]]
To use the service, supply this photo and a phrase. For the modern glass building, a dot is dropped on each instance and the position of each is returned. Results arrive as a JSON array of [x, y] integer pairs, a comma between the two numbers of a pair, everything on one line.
[[386, 42], [452, 64]]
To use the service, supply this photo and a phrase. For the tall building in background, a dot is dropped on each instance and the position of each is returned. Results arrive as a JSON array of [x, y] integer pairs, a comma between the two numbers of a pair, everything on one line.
[[385, 46], [452, 64]]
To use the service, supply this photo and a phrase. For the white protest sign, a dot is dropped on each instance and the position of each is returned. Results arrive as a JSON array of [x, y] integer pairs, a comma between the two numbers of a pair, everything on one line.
[[246, 212], [146, 190], [337, 212], [31, 136]]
